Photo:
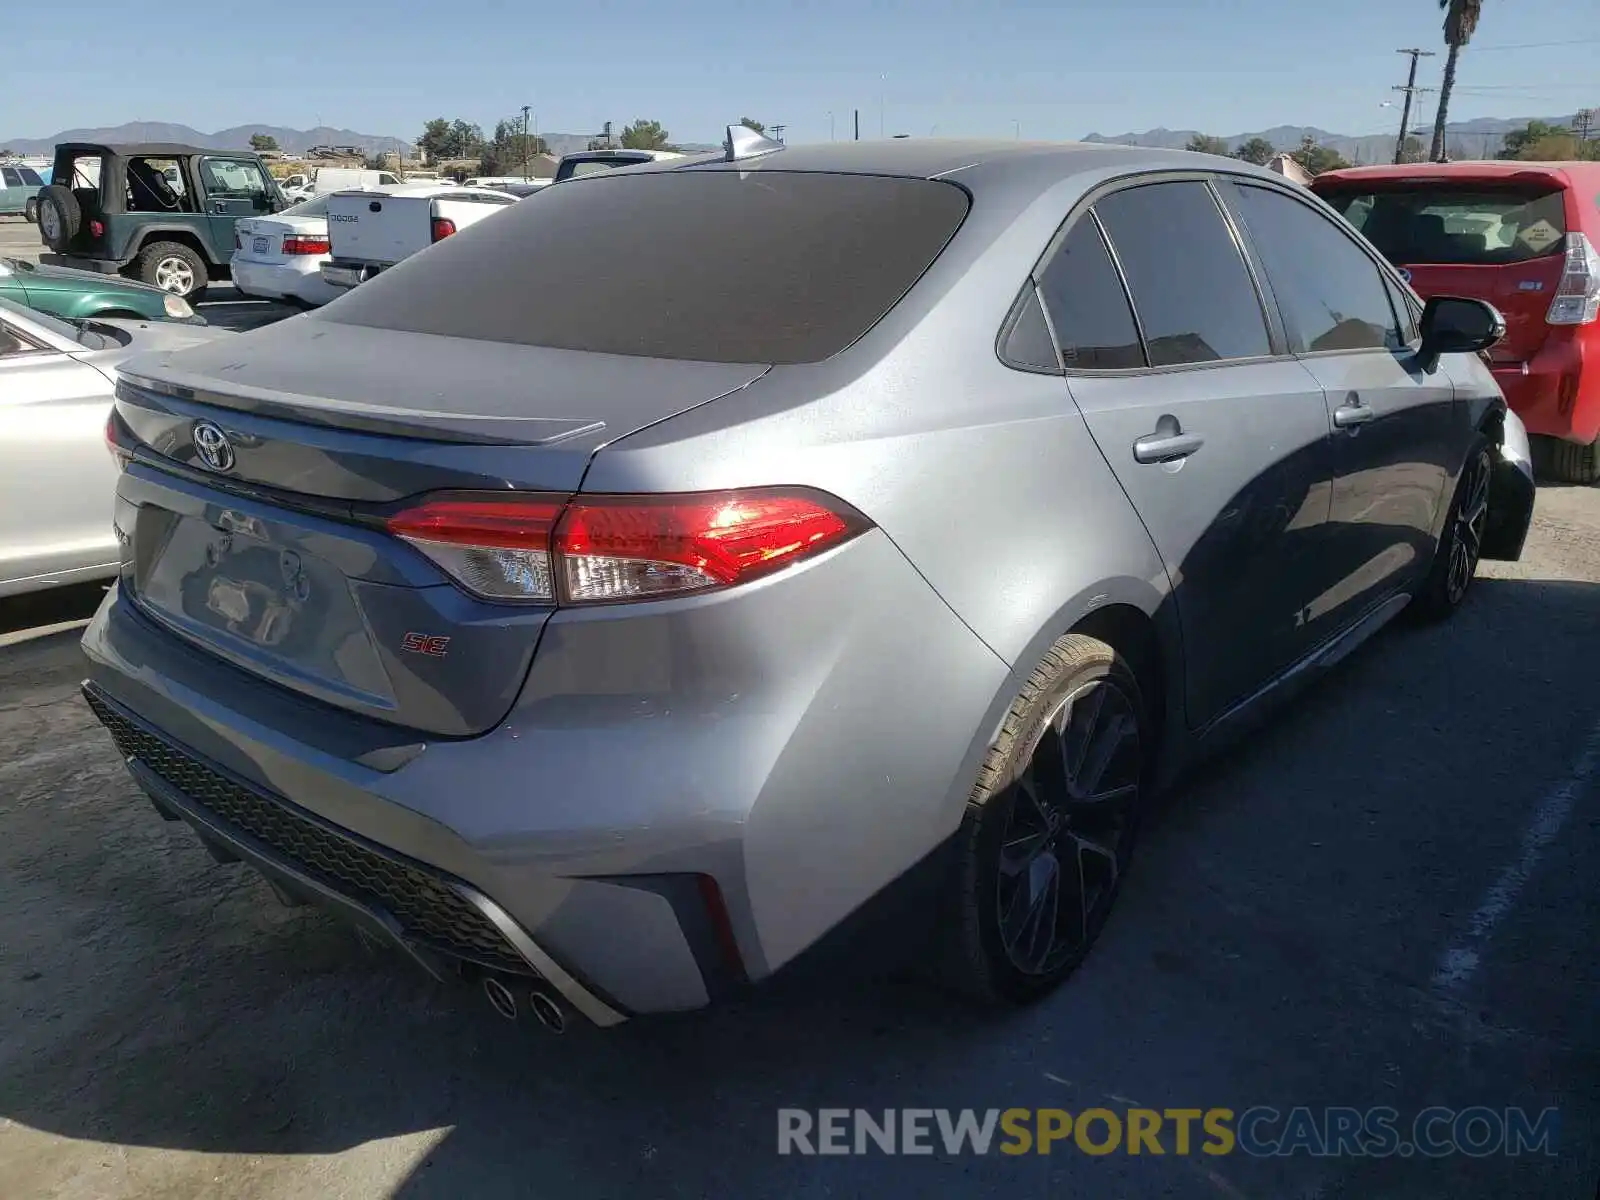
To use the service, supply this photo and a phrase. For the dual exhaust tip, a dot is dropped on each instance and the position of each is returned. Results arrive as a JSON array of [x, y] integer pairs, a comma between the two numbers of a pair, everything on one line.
[[544, 1006]]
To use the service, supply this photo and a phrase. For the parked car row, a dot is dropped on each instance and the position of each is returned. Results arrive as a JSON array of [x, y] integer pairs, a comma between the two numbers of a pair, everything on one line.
[[1523, 236], [899, 505]]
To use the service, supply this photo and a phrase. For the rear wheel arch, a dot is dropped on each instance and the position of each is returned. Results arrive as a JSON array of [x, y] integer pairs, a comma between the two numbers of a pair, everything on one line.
[[1133, 634], [180, 234]]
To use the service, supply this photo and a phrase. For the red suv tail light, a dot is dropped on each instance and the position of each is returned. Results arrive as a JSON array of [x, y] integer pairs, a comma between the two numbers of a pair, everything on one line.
[[443, 227], [97, 229], [294, 243], [1577, 298], [604, 549]]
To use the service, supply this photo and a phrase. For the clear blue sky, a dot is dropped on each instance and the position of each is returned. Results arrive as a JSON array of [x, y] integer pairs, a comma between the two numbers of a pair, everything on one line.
[[1058, 70]]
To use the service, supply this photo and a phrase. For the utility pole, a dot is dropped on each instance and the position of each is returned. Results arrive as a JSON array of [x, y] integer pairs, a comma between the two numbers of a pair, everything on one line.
[[1410, 89], [777, 132], [525, 109], [1582, 124], [858, 124]]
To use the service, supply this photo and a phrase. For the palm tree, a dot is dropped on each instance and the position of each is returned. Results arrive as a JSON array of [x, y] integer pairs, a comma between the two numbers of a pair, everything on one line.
[[1460, 23]]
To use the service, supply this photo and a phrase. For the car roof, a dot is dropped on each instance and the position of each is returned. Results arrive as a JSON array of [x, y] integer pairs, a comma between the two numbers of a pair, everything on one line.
[[978, 164], [1474, 171], [159, 149]]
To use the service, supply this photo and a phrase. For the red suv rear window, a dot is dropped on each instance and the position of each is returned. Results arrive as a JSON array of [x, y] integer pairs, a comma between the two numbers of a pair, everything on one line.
[[1470, 226]]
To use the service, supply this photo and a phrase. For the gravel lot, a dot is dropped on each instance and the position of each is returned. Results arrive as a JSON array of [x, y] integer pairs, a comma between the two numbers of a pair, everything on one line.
[[1388, 898], [226, 307]]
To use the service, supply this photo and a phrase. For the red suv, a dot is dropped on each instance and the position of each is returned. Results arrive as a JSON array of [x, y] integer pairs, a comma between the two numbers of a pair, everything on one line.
[[1522, 236]]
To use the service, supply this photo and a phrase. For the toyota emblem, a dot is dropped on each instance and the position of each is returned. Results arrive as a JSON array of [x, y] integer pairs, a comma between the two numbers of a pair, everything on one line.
[[213, 446]]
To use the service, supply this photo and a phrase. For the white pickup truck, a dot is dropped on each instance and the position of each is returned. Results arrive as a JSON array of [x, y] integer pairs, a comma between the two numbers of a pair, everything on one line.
[[370, 231]]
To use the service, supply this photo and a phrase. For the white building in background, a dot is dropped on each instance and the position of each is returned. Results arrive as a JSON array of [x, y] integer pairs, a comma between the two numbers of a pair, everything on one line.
[[1286, 166]]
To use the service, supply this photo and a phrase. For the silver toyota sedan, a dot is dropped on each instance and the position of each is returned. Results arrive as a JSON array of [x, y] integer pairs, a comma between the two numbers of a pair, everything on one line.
[[609, 601], [57, 481]]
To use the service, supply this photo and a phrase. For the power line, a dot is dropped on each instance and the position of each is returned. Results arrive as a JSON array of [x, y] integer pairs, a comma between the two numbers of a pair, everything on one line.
[[1477, 49]]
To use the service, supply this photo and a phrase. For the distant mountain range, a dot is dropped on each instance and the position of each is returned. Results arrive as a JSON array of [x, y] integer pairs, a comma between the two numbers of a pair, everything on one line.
[[1479, 138], [291, 141]]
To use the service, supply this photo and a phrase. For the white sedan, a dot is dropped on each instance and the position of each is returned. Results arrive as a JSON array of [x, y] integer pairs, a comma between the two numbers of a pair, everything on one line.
[[57, 482], [280, 257]]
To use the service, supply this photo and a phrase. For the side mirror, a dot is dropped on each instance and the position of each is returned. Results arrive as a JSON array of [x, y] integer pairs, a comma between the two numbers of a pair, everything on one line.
[[1457, 325]]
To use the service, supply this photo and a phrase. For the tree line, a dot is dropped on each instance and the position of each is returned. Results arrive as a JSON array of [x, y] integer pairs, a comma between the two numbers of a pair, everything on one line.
[[512, 146]]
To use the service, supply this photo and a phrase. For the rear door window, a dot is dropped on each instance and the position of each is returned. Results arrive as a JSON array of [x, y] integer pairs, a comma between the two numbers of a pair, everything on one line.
[[1083, 294], [1465, 226], [1191, 290], [760, 266], [1331, 294]]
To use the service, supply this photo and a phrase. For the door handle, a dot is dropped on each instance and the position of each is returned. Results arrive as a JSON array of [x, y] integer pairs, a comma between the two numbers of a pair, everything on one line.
[[1167, 443], [1352, 412]]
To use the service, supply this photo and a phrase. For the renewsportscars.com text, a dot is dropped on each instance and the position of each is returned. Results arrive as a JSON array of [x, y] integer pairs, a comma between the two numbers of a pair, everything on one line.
[[1260, 1131]]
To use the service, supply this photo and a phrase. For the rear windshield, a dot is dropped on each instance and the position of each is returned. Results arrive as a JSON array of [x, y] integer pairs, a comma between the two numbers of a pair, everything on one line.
[[720, 266], [573, 168], [1485, 227]]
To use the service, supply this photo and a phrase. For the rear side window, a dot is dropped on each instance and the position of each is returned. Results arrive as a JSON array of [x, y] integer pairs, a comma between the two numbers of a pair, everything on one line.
[[1457, 226], [1190, 287], [11, 176], [30, 177], [1083, 294], [720, 266], [1333, 297]]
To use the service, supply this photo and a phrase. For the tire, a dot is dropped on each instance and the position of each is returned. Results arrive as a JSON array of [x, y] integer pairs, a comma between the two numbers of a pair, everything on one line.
[[998, 946], [1574, 462], [173, 267], [30, 210], [60, 216], [1455, 559]]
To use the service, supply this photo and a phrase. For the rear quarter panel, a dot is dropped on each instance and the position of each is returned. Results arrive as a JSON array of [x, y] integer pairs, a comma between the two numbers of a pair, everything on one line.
[[983, 476]]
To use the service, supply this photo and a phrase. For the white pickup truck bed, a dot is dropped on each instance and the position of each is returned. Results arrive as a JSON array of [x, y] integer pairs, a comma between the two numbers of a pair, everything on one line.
[[371, 230]]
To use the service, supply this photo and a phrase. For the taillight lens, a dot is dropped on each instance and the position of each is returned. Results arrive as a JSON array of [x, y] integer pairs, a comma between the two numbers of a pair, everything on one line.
[[443, 227], [635, 547], [97, 229], [118, 454], [296, 244], [237, 244], [605, 549], [497, 549], [1577, 299]]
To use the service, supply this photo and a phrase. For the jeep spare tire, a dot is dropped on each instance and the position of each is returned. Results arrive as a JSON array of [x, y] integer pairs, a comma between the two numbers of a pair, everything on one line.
[[60, 217]]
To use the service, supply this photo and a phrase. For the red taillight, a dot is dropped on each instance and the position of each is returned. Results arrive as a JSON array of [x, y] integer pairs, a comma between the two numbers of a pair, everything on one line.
[[632, 547], [118, 454], [297, 244], [97, 229], [601, 549], [497, 549], [443, 227]]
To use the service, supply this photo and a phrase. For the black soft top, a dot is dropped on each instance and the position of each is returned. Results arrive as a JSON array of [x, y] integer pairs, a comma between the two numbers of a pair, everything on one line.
[[138, 149]]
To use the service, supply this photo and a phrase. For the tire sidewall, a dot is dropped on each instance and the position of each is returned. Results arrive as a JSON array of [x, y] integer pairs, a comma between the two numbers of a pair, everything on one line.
[[153, 255], [981, 863], [63, 206], [1434, 602]]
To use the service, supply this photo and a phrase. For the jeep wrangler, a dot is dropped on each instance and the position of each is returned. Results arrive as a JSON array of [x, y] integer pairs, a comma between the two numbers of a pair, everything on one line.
[[160, 213]]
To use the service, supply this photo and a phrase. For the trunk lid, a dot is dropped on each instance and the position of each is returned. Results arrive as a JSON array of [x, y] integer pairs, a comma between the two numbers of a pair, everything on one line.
[[1521, 291], [375, 228], [1499, 238], [277, 560]]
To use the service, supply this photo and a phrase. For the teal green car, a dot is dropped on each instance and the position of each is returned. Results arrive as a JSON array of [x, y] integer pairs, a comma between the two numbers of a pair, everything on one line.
[[68, 294]]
